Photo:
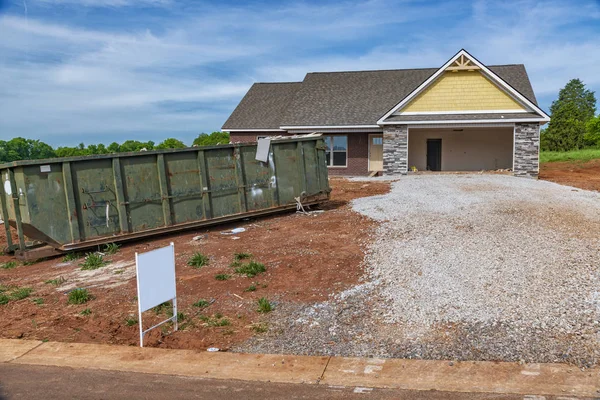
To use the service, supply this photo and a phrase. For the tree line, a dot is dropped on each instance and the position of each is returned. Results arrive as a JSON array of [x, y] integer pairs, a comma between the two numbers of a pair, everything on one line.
[[573, 124], [28, 149]]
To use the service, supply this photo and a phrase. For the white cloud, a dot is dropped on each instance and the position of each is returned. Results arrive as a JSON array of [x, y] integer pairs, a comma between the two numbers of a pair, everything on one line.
[[64, 82]]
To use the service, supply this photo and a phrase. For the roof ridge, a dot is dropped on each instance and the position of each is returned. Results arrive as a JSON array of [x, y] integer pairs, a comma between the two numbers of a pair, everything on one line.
[[398, 69], [275, 83]]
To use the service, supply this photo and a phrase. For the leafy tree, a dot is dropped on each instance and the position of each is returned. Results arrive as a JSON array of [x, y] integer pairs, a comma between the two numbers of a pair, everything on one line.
[[592, 136], [204, 139], [570, 113], [135, 145], [171, 143], [24, 149]]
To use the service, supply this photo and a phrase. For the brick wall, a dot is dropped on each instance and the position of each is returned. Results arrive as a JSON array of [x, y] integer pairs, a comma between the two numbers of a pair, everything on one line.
[[358, 151], [245, 137]]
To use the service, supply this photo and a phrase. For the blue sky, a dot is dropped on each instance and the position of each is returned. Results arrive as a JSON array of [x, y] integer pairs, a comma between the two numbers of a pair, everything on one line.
[[98, 71]]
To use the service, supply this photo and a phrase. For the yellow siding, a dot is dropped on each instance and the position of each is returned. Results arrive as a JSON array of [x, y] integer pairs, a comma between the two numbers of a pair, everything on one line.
[[462, 91]]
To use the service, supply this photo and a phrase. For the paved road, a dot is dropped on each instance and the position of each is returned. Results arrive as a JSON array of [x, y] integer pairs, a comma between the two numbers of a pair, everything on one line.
[[48, 383]]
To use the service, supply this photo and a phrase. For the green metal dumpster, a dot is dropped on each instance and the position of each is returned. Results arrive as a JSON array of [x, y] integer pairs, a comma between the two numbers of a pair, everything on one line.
[[78, 202]]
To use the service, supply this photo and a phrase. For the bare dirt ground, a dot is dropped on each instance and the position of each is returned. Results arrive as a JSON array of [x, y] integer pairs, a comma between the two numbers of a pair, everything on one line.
[[308, 257], [585, 175]]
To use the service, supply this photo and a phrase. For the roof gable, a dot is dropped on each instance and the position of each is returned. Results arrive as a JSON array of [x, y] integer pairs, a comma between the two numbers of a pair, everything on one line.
[[463, 61]]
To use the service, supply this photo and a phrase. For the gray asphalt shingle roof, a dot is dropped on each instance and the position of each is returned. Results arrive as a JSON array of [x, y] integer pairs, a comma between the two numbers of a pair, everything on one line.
[[343, 98]]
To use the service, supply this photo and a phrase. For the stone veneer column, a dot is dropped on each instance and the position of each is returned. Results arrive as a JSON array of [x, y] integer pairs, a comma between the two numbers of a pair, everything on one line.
[[527, 150], [395, 149]]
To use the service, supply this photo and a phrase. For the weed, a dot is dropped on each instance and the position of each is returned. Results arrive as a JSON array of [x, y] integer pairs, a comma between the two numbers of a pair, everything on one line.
[[72, 256], [161, 308], [201, 303], [251, 269], [56, 282], [260, 327], [4, 299], [241, 256], [21, 293], [93, 261], [79, 296], [218, 315], [228, 332], [130, 321], [86, 312], [37, 260], [264, 306], [250, 288], [222, 277], [181, 316], [111, 248], [38, 301], [9, 265], [119, 271], [236, 264], [219, 322], [45, 340], [198, 260], [204, 318]]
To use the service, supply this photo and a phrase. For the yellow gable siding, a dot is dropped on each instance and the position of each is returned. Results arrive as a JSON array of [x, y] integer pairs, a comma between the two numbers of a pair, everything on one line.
[[462, 91]]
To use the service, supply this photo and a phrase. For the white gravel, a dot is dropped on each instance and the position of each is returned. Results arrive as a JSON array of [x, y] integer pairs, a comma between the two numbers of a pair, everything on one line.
[[469, 267]]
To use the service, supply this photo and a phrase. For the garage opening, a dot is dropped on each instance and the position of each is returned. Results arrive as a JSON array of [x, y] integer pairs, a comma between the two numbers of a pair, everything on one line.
[[460, 149]]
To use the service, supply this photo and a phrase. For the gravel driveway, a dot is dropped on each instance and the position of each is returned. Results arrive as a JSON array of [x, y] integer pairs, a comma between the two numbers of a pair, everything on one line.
[[468, 267]]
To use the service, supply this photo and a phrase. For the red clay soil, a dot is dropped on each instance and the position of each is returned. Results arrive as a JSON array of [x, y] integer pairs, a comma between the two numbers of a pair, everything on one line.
[[584, 175], [308, 257]]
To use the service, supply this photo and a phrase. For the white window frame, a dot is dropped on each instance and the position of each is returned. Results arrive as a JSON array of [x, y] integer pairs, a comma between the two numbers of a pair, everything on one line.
[[330, 165]]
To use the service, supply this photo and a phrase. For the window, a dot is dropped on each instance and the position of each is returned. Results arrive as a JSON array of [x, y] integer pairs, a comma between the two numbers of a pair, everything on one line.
[[377, 140], [336, 151]]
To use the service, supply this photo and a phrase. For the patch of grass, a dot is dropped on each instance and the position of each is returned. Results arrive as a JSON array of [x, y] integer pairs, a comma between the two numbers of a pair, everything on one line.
[[21, 293], [163, 308], [264, 306], [72, 256], [9, 265], [57, 281], [38, 301], [573, 155], [79, 296], [37, 260], [236, 264], [93, 261], [222, 277], [201, 303], [251, 269], [4, 299], [86, 312], [215, 321], [241, 256], [198, 260], [111, 248], [260, 327], [250, 288], [130, 321]]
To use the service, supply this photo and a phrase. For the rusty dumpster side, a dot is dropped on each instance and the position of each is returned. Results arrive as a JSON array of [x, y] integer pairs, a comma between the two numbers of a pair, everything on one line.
[[78, 202]]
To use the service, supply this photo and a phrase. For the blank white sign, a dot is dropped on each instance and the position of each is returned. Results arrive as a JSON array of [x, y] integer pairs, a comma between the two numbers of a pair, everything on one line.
[[155, 277]]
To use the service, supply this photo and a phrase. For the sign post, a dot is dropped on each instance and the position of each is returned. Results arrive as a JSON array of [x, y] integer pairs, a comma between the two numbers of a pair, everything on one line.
[[155, 271]]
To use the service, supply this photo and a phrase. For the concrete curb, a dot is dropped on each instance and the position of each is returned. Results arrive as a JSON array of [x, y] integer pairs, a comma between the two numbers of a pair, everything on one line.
[[476, 376]]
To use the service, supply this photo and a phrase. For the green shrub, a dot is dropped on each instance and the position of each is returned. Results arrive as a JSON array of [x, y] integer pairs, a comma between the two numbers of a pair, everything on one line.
[[222, 277], [250, 288], [79, 296], [264, 306], [93, 261], [130, 321], [198, 260], [4, 299], [251, 269], [38, 301], [86, 312]]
